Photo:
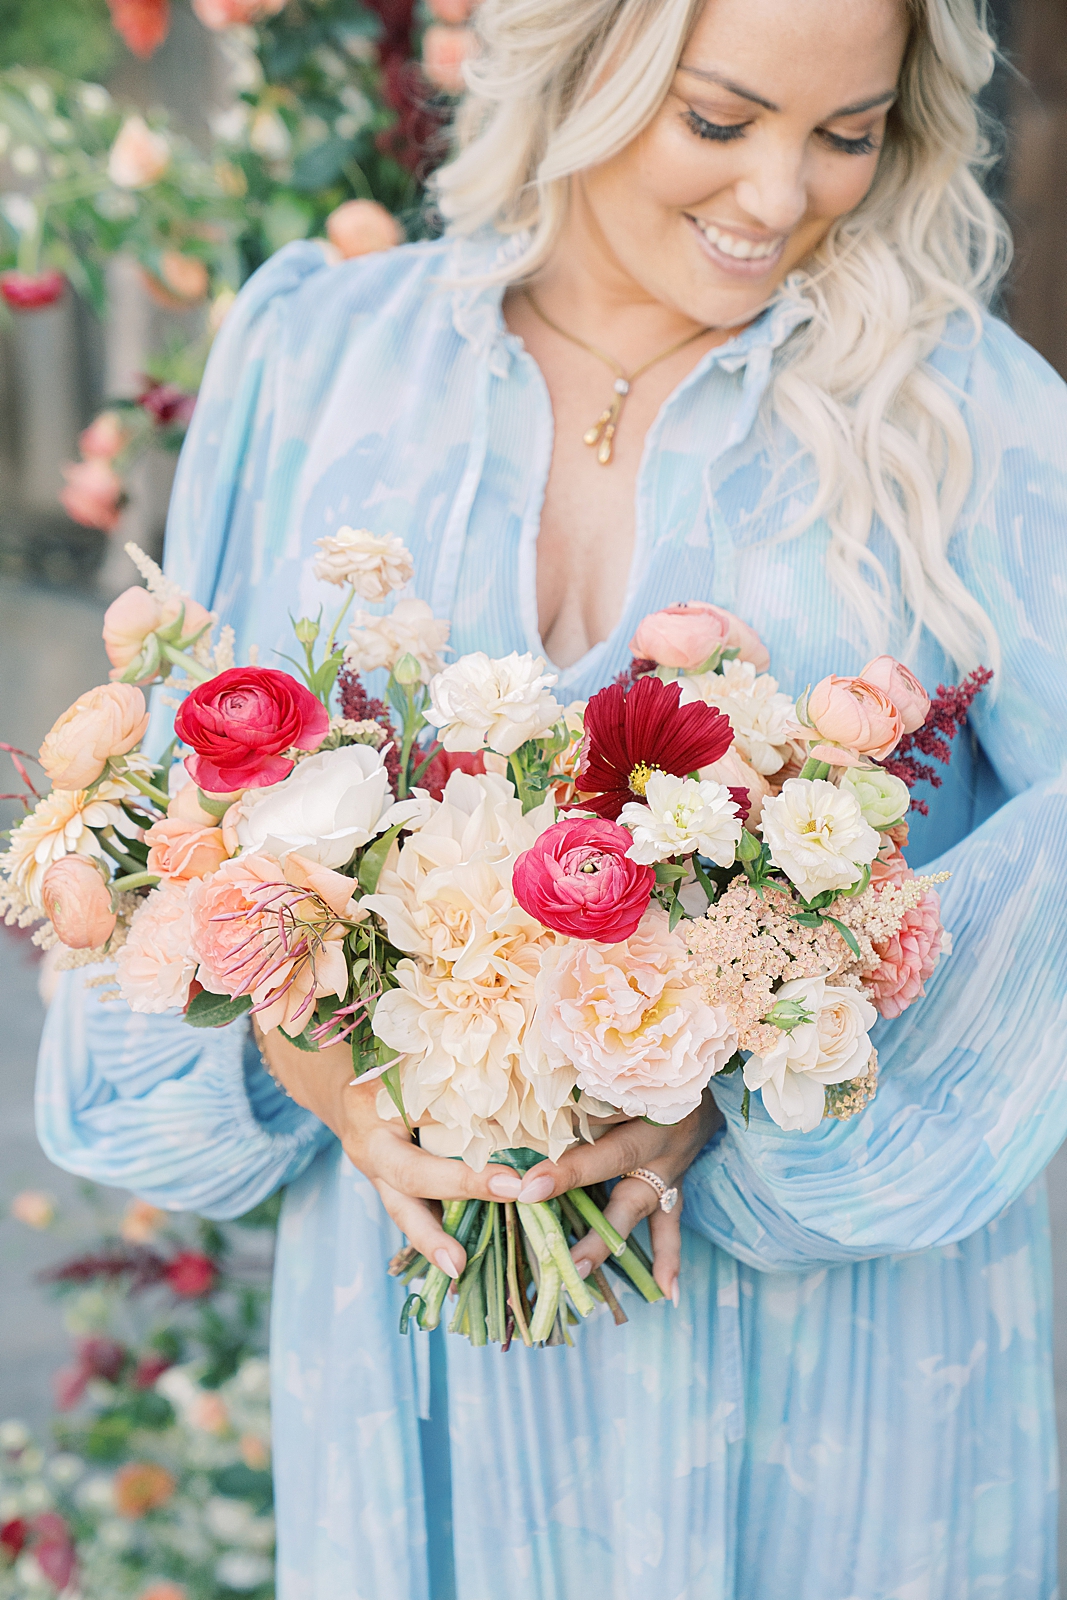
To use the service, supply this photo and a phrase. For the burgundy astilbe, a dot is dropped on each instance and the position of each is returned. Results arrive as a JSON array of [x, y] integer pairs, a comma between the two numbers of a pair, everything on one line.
[[359, 706], [947, 714], [639, 667]]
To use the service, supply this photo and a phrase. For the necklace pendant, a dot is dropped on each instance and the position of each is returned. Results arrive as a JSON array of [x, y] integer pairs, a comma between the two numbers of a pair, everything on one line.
[[592, 435], [601, 436]]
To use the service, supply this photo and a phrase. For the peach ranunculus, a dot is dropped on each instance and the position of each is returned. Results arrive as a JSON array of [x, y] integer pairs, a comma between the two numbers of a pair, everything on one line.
[[850, 718], [693, 634], [103, 723], [360, 227], [180, 281], [902, 687], [181, 850], [135, 614], [220, 14], [156, 964], [142, 1486], [78, 903], [444, 50], [104, 438], [908, 958], [139, 157], [93, 494]]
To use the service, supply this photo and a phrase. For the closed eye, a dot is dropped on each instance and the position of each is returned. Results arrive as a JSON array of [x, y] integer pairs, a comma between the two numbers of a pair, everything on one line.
[[850, 147], [723, 132]]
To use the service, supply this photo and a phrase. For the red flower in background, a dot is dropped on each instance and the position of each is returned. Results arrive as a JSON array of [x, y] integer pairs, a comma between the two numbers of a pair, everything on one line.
[[241, 721], [141, 24], [53, 1547], [167, 404], [31, 291], [13, 1536], [191, 1275], [148, 1369], [631, 733]]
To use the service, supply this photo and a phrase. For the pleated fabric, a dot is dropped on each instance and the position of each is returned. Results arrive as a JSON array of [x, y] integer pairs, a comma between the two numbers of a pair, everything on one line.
[[854, 1400]]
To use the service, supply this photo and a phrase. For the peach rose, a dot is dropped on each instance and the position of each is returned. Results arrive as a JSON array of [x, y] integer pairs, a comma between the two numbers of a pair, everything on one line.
[[908, 958], [103, 723], [360, 227], [852, 718], [142, 1486], [78, 903], [902, 687], [444, 50], [182, 851], [104, 437], [156, 964], [139, 157], [689, 634], [93, 494], [185, 805], [135, 614]]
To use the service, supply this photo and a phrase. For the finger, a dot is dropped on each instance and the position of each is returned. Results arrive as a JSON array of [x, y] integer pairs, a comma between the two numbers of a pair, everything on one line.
[[402, 1165], [617, 1151], [630, 1201], [665, 1228], [420, 1223]]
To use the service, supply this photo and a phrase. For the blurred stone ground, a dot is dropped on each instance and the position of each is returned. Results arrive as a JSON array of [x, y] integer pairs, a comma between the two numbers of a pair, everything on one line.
[[50, 649]]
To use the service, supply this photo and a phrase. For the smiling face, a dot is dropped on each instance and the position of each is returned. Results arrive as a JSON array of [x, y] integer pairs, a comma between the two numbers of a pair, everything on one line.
[[770, 132]]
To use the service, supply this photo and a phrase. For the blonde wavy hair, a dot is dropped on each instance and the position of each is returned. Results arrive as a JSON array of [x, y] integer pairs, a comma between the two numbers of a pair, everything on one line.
[[557, 86]]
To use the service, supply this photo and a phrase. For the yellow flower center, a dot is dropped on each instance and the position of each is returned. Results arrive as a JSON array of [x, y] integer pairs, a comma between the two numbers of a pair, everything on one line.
[[639, 776]]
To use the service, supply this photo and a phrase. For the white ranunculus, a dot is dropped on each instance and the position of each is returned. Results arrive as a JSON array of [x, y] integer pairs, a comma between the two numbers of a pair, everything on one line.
[[410, 629], [759, 714], [326, 809], [479, 702], [833, 1047], [817, 835], [883, 798], [681, 815], [373, 564]]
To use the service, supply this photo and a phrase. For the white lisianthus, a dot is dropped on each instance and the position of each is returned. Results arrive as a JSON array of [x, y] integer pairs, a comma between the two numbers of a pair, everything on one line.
[[833, 1047], [410, 629], [760, 716], [479, 702], [373, 564], [681, 815], [883, 798], [817, 835], [328, 807]]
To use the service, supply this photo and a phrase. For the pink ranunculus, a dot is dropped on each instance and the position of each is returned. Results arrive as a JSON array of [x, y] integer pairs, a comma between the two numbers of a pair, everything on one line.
[[101, 723], [242, 721], [104, 437], [183, 851], [220, 14], [851, 718], [908, 958], [360, 227], [578, 880], [444, 50], [156, 964], [93, 494], [631, 1022], [902, 687], [688, 634], [78, 903]]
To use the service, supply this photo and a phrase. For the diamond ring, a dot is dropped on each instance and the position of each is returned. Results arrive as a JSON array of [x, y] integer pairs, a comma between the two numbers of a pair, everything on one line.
[[668, 1198]]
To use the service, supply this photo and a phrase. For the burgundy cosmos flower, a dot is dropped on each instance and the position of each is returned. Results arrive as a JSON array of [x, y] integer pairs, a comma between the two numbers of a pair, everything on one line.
[[632, 733]]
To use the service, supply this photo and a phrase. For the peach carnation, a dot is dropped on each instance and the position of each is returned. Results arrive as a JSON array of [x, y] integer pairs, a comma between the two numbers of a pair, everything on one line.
[[156, 964], [103, 723], [908, 958]]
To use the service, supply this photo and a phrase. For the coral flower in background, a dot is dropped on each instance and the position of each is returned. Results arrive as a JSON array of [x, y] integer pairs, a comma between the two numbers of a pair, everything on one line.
[[191, 1274], [239, 724], [140, 1487], [444, 50], [139, 157], [31, 291], [104, 438], [631, 734], [360, 227], [93, 495], [141, 24]]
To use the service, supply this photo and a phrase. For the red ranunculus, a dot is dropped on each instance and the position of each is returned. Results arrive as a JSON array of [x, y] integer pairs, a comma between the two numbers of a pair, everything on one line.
[[240, 722], [578, 880], [632, 733], [100, 1357], [191, 1274], [31, 291]]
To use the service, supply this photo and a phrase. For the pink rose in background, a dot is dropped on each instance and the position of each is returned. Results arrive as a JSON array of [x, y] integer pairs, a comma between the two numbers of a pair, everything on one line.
[[854, 718], [183, 851], [102, 723], [578, 880], [139, 157], [688, 634], [219, 14], [908, 958], [902, 687], [156, 964], [360, 227], [104, 437], [93, 494], [636, 1030], [78, 903], [444, 50]]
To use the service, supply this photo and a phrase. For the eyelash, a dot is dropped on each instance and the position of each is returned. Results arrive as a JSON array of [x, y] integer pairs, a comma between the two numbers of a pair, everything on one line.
[[726, 133]]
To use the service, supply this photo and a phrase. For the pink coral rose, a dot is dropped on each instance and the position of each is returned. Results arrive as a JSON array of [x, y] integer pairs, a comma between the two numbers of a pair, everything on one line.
[[156, 964], [578, 880], [632, 1023], [908, 958], [242, 721], [93, 494], [902, 687], [444, 50], [689, 634], [852, 718], [183, 851], [185, 805], [78, 903], [360, 227], [102, 723], [104, 437]]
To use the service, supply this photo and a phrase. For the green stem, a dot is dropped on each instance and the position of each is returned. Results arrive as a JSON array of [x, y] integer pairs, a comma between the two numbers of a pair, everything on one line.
[[521, 786], [546, 1306], [515, 1294], [127, 863], [142, 785], [192, 668], [626, 1258], [337, 621], [541, 1223], [815, 769], [437, 1281], [135, 880]]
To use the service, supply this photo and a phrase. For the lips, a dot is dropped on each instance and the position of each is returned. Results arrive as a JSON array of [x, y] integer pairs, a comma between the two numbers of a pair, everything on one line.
[[736, 254]]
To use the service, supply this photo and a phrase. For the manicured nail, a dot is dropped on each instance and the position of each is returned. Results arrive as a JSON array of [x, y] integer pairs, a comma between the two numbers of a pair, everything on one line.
[[676, 1294], [446, 1264], [505, 1185], [535, 1189], [584, 1268]]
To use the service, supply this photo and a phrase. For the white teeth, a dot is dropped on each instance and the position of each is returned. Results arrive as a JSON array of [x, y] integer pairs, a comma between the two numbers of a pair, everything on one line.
[[731, 245]]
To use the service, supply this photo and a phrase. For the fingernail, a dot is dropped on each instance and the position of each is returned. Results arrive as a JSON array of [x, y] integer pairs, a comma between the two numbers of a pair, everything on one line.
[[584, 1268], [676, 1294], [446, 1264], [506, 1185], [535, 1189]]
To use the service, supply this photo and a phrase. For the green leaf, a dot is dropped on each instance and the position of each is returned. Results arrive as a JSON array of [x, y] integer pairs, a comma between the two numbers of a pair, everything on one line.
[[303, 1040], [677, 912], [374, 857], [391, 1079], [746, 1102], [207, 1010], [668, 872], [846, 934], [212, 804]]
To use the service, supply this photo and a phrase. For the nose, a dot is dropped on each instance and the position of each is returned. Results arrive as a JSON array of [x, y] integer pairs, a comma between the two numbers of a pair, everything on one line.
[[773, 192]]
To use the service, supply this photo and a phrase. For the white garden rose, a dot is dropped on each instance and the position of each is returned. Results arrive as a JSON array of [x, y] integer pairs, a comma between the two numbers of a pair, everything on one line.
[[760, 716], [374, 564], [833, 1047], [681, 815], [883, 798], [328, 807], [480, 703], [817, 835], [410, 629]]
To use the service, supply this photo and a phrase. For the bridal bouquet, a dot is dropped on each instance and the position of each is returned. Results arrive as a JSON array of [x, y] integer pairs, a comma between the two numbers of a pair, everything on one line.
[[522, 918]]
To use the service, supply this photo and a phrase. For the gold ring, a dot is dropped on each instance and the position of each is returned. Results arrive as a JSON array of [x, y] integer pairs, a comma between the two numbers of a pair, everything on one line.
[[668, 1197]]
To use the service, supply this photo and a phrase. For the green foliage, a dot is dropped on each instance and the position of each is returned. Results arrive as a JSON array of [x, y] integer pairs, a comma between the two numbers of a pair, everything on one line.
[[74, 37]]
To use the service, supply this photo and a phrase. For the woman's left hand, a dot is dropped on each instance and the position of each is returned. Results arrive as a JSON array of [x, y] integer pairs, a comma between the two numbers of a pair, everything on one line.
[[666, 1151]]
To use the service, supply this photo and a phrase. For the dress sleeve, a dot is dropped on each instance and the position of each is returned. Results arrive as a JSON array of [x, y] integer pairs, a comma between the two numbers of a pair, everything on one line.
[[972, 1098], [187, 1117]]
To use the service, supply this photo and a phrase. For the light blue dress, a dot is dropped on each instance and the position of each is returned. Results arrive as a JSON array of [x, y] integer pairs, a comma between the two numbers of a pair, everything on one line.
[[854, 1401]]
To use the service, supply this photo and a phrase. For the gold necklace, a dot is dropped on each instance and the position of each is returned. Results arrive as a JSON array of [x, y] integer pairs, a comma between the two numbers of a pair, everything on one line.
[[602, 433]]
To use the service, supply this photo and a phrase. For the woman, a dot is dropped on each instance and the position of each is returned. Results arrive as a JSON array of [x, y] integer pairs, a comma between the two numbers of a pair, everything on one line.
[[761, 218]]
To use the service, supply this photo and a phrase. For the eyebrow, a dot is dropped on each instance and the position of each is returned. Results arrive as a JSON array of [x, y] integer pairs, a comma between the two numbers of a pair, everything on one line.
[[723, 82]]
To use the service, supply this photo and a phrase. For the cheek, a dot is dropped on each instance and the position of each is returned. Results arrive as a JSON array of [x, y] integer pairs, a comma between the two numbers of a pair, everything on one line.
[[668, 171], [839, 185]]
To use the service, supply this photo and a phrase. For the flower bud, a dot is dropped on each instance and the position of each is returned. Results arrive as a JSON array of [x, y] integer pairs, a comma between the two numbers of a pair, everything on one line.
[[883, 798], [78, 903], [307, 630], [788, 1014], [749, 847], [407, 671]]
